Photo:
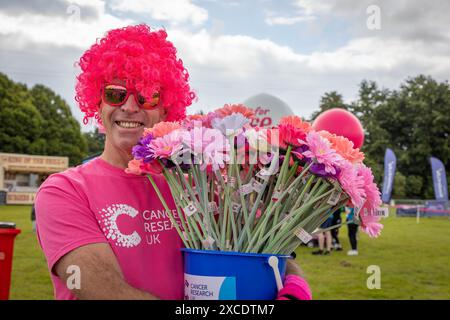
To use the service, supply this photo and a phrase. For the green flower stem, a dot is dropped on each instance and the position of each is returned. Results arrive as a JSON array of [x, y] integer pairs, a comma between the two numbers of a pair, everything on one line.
[[232, 215], [292, 240], [192, 224], [169, 212], [249, 174], [194, 199], [260, 227], [244, 210], [204, 192], [257, 201], [216, 227], [283, 184], [191, 238], [284, 237], [184, 221], [291, 224]]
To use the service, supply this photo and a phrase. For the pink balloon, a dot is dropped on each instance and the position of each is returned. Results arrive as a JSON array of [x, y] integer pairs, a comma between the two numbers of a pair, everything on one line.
[[341, 122]]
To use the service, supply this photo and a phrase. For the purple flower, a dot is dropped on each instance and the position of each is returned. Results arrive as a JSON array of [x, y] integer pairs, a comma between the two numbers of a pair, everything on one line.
[[142, 150], [319, 170]]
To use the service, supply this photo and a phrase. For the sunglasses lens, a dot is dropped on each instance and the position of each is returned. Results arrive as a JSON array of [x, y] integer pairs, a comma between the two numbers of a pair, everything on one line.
[[115, 95], [149, 104]]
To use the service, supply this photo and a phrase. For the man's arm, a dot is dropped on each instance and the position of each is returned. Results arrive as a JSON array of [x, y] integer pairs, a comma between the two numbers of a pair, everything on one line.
[[100, 274]]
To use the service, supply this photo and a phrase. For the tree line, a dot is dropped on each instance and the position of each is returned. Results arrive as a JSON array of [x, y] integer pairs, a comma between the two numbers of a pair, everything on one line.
[[413, 121], [37, 121]]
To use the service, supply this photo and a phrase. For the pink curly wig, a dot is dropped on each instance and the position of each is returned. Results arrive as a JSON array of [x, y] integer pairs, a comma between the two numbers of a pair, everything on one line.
[[143, 58]]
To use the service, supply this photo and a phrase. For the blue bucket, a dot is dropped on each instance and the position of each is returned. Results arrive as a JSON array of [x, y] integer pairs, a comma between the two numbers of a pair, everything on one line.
[[225, 275]]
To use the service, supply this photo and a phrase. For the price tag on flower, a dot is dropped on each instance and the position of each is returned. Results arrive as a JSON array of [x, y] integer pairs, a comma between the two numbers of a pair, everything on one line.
[[208, 242], [235, 207], [264, 174], [334, 198], [256, 185], [246, 189], [231, 182], [190, 209], [303, 235], [212, 207], [276, 196]]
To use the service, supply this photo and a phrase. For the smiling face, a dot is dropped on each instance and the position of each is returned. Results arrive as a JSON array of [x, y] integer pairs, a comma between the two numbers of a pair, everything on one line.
[[125, 124]]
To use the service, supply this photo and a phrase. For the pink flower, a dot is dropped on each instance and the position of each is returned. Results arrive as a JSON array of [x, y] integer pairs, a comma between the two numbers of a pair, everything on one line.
[[370, 223], [352, 184], [229, 109], [343, 147], [291, 136], [209, 147], [373, 199], [134, 167], [297, 123], [320, 150], [139, 167], [168, 145], [162, 128]]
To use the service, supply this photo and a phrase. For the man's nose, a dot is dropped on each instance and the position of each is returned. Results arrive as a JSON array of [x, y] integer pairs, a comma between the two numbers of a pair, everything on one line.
[[130, 105]]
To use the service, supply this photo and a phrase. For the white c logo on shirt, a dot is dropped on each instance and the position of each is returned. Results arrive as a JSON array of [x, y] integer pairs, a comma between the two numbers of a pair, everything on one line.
[[111, 230]]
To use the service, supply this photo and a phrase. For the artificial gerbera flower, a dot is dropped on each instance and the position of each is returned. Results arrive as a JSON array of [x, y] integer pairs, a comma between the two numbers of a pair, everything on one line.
[[319, 149], [352, 183], [230, 125], [229, 109], [168, 145], [162, 128], [296, 122], [344, 147], [142, 151]]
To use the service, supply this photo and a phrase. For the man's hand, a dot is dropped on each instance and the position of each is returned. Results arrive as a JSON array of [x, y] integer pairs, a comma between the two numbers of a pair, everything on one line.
[[100, 274]]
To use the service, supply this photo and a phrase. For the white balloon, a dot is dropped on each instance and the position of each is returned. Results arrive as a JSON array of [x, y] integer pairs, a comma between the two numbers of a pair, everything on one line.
[[268, 109]]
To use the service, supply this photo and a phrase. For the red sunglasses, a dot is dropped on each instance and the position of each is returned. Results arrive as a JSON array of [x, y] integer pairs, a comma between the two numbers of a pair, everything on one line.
[[116, 95]]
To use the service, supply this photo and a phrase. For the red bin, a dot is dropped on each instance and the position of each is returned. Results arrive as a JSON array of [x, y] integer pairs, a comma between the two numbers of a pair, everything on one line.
[[8, 232]]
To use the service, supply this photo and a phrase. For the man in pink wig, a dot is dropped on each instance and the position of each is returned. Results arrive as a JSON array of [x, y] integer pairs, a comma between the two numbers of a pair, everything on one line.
[[104, 232]]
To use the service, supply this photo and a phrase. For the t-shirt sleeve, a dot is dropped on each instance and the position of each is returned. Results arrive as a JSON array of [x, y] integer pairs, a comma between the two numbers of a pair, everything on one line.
[[64, 220]]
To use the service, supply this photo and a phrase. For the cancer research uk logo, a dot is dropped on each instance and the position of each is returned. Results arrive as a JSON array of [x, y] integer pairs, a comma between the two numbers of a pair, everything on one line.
[[155, 221]]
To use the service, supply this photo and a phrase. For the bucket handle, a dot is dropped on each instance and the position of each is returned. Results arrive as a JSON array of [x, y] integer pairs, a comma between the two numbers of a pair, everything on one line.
[[273, 262]]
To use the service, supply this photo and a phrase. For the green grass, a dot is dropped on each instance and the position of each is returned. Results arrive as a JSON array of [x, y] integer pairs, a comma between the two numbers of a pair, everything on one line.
[[413, 259]]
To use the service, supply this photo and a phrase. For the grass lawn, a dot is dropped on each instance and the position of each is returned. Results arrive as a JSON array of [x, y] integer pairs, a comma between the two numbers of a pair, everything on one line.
[[414, 260]]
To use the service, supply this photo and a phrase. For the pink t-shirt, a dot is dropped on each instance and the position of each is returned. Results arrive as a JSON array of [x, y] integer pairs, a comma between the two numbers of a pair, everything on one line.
[[99, 203]]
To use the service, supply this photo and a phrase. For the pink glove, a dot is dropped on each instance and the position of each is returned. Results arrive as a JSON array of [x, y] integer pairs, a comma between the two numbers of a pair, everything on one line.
[[295, 288]]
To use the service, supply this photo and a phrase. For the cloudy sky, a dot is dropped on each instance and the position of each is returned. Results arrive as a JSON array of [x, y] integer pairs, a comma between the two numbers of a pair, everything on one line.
[[293, 49]]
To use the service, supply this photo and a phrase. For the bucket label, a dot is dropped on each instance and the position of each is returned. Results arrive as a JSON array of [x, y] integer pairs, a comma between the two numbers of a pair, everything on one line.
[[209, 288]]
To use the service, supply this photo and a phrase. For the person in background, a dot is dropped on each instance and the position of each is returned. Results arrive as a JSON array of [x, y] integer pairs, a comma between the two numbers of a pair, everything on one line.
[[33, 217], [335, 232], [324, 238], [352, 232]]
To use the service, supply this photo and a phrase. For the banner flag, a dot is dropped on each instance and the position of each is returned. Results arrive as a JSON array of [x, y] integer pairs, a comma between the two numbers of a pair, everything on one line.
[[439, 179], [390, 163]]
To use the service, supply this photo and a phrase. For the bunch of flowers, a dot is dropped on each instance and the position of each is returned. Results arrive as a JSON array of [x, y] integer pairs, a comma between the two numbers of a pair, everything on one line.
[[247, 189]]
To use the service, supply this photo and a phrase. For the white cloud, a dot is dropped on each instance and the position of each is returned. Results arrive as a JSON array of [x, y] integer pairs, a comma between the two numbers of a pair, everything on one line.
[[173, 11], [286, 21], [69, 28], [230, 68]]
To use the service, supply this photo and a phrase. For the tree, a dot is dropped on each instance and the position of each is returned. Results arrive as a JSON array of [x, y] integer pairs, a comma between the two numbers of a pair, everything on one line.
[[413, 121], [38, 121], [329, 101], [95, 142], [20, 120]]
